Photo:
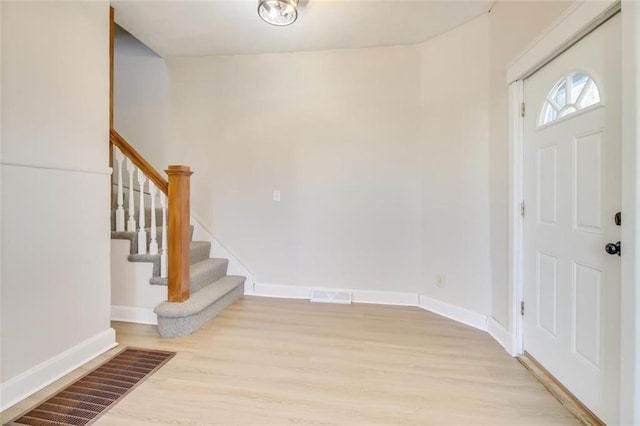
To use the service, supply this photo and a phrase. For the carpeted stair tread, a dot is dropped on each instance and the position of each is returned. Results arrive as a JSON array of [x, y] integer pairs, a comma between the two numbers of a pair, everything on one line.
[[181, 319], [133, 237], [199, 251], [200, 300], [201, 273]]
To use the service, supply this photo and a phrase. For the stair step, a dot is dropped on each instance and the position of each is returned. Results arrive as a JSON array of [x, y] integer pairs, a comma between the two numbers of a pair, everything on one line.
[[199, 251], [181, 319], [201, 273], [133, 237]]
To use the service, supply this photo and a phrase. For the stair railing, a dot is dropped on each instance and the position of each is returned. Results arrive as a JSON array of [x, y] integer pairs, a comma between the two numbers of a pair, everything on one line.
[[174, 202]]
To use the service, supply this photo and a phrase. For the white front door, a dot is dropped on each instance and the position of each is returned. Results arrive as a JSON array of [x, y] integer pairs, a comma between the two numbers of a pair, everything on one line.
[[572, 194]]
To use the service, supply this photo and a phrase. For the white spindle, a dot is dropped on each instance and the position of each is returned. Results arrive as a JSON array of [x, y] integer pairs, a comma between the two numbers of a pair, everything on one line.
[[163, 255], [131, 224], [153, 245], [120, 195], [142, 233]]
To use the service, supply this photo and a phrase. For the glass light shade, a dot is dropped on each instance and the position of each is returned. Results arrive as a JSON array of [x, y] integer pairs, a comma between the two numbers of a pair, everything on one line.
[[278, 12]]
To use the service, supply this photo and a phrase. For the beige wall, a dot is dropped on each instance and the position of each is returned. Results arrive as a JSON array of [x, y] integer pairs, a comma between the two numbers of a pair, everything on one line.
[[512, 27], [1, 185], [141, 90], [375, 188], [55, 199], [392, 162], [336, 132], [455, 175]]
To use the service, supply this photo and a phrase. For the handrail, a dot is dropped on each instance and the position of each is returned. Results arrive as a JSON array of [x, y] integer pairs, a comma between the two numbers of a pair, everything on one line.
[[174, 256], [139, 161]]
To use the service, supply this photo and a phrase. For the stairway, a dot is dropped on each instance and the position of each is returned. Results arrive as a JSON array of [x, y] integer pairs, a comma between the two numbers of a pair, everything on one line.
[[212, 290]]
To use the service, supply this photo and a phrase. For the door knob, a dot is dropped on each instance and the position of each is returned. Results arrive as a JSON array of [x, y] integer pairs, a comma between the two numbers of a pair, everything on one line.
[[613, 248]]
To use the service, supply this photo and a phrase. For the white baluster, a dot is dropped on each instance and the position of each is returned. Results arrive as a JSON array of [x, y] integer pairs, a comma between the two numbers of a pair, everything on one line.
[[142, 234], [153, 245], [120, 195], [131, 224], [163, 256]]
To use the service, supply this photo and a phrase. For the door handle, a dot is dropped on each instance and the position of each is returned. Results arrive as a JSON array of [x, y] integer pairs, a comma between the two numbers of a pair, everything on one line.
[[613, 248]]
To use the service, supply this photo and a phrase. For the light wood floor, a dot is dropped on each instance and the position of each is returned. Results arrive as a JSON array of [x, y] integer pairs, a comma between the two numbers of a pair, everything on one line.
[[282, 362]]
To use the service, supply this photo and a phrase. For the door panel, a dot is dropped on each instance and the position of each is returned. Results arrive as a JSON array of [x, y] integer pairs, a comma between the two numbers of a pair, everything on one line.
[[547, 293], [587, 192], [586, 331], [548, 193]]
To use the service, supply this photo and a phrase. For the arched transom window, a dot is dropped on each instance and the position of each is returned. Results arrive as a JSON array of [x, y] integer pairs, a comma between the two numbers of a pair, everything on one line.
[[573, 92]]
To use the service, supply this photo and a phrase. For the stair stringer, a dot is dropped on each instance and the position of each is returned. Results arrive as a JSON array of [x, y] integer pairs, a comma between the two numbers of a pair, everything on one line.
[[236, 265], [133, 299]]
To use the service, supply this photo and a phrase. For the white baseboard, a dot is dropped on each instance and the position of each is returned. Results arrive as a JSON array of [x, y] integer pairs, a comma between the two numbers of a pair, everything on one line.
[[454, 312], [385, 297], [501, 335], [358, 296], [133, 314], [448, 310], [31, 381], [281, 291], [250, 287]]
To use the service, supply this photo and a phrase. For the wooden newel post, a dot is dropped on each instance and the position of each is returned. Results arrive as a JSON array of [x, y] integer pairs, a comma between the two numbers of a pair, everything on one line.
[[111, 165], [178, 241]]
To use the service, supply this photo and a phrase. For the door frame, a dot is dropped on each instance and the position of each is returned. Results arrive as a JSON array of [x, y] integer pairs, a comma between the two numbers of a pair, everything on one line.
[[579, 19]]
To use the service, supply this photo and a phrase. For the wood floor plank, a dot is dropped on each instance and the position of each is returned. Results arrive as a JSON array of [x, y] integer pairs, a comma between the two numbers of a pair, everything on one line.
[[278, 362]]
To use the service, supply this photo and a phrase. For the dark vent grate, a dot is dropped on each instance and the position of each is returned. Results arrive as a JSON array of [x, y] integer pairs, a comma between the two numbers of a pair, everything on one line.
[[83, 401]]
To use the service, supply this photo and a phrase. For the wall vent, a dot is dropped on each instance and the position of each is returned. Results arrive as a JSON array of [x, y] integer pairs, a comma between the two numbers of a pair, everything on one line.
[[330, 296]]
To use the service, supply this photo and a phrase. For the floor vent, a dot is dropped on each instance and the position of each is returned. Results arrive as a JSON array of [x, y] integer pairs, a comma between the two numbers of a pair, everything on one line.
[[330, 296], [83, 401]]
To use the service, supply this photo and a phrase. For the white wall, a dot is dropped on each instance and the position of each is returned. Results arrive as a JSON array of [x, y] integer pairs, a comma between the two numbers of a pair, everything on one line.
[[377, 192], [1, 192], [455, 175], [439, 206], [132, 297], [55, 199], [336, 132], [512, 27], [141, 89]]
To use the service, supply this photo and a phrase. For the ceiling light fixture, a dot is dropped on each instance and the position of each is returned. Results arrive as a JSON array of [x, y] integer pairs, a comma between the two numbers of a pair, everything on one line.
[[278, 12]]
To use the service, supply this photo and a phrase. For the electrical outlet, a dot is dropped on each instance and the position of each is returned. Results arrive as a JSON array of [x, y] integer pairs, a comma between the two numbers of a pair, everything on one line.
[[276, 195], [441, 280]]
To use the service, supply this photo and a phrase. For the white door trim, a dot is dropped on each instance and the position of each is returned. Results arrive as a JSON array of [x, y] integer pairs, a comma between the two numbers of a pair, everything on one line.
[[516, 224], [577, 21], [630, 237], [580, 18]]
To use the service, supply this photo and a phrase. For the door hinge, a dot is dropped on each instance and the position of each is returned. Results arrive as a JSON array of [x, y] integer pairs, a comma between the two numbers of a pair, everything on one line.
[[522, 109], [522, 308], [522, 208]]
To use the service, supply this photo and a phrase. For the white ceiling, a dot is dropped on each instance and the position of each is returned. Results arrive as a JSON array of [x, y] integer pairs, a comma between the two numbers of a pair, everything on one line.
[[232, 27]]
